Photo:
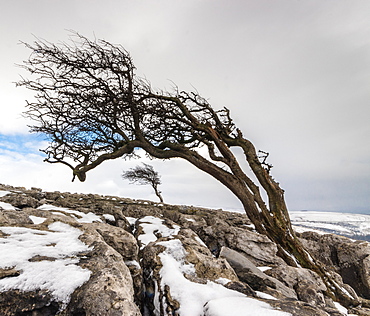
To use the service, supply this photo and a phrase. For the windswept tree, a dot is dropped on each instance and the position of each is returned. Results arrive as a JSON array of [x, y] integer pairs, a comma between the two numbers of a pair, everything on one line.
[[144, 175], [92, 108]]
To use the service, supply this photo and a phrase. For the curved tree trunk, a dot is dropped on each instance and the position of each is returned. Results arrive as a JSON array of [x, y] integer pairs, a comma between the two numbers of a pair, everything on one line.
[[158, 193]]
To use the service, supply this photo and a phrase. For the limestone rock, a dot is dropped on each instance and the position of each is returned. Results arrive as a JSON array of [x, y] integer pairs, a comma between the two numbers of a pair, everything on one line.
[[109, 291], [351, 259], [119, 239], [10, 217], [146, 258], [200, 265], [21, 201], [38, 303], [307, 284], [258, 280], [299, 308]]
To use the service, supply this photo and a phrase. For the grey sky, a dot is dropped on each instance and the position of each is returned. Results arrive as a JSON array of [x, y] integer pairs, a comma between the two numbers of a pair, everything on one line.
[[295, 75]]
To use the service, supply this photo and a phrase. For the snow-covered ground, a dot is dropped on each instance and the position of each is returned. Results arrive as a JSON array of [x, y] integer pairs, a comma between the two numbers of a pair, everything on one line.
[[56, 269], [59, 274], [210, 299], [356, 226]]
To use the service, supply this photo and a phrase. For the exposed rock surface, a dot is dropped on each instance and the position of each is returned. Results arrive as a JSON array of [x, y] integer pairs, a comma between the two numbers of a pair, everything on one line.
[[77, 254], [349, 258]]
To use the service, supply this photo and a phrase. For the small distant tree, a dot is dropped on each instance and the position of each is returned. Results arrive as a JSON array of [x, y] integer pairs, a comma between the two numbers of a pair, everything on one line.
[[144, 175]]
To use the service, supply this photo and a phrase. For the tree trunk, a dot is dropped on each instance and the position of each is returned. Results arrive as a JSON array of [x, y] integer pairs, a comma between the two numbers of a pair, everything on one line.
[[158, 193]]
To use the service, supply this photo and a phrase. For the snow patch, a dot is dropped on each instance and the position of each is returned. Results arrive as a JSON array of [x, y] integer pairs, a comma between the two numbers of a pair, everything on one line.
[[3, 193], [153, 225], [263, 269], [190, 220], [222, 281], [36, 219], [109, 217], [342, 309], [81, 217], [57, 273], [265, 296], [245, 306], [133, 263], [200, 241], [7, 206], [131, 220], [210, 299], [347, 224]]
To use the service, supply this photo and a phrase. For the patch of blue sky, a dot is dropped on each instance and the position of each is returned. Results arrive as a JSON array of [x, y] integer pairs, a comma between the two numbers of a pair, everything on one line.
[[21, 143]]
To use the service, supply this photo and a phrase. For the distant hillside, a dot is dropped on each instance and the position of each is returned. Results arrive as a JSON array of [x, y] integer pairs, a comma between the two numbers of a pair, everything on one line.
[[356, 226]]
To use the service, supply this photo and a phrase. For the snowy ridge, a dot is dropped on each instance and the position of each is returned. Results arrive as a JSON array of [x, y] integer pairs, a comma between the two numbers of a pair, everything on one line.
[[356, 226]]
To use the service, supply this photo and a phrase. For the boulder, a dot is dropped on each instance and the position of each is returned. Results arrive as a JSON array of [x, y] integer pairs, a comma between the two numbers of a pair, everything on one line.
[[119, 239], [22, 201], [12, 217], [306, 283], [349, 258], [35, 303], [254, 277], [109, 291]]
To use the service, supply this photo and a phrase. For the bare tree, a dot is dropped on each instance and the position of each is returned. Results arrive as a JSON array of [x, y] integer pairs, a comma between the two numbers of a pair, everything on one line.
[[144, 175], [92, 108]]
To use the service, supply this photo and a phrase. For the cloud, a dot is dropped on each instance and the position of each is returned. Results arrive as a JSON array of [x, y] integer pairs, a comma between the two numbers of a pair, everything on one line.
[[181, 183], [294, 74]]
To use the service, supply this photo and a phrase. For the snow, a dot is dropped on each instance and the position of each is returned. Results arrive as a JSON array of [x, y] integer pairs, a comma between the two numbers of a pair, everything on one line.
[[152, 225], [343, 290], [263, 269], [292, 257], [3, 193], [231, 306], [210, 299], [36, 219], [200, 241], [222, 281], [109, 217], [81, 217], [133, 263], [190, 219], [301, 229], [332, 222], [324, 226], [131, 220], [7, 206], [58, 273], [251, 226], [265, 296], [342, 309]]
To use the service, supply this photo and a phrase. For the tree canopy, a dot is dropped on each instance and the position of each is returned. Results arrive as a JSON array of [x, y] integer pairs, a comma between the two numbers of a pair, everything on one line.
[[93, 107]]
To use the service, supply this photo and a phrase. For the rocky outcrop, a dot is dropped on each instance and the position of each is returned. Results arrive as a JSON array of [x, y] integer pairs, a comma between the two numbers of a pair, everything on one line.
[[76, 254], [349, 258], [255, 277]]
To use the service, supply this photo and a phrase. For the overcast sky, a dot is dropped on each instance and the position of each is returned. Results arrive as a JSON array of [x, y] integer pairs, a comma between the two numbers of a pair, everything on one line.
[[295, 75]]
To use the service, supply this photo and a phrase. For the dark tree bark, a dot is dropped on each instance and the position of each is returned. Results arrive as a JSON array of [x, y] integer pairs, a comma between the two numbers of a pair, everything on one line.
[[93, 108]]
